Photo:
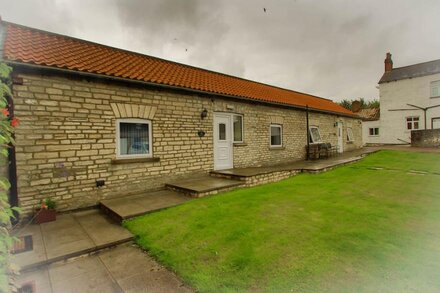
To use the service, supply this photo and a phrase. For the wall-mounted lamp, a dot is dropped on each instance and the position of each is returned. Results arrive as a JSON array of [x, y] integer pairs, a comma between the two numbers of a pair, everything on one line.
[[204, 114], [201, 133], [336, 124]]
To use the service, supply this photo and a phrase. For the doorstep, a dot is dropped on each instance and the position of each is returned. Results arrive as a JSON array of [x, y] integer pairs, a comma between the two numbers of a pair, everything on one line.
[[202, 185]]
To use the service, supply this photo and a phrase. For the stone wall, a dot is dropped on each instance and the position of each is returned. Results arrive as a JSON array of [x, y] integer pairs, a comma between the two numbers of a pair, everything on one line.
[[67, 138], [425, 138]]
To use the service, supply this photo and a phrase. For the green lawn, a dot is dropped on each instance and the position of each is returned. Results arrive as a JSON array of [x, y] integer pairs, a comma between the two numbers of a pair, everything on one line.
[[351, 229]]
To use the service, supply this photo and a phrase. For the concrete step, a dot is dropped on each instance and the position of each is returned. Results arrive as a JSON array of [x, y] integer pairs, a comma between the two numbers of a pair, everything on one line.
[[203, 185], [127, 207]]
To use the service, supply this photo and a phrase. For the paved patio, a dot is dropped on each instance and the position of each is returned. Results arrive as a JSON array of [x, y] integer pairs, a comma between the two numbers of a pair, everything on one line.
[[70, 235], [88, 252], [124, 268], [302, 166]]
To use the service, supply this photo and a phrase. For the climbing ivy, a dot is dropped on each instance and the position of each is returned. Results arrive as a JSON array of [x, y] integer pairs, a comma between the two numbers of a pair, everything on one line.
[[7, 270]]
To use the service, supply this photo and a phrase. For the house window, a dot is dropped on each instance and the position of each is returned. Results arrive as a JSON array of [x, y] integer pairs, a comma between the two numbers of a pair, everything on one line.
[[315, 135], [276, 135], [350, 137], [435, 88], [412, 123], [374, 131], [133, 138], [238, 128]]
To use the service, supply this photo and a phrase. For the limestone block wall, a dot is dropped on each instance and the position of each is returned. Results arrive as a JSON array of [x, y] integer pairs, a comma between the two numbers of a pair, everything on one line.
[[429, 138], [67, 138]]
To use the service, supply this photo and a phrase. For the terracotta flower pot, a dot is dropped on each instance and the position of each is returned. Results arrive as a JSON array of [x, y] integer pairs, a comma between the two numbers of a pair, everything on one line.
[[45, 215]]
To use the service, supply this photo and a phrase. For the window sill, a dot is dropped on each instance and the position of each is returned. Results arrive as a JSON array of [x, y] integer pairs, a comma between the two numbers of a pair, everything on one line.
[[239, 144], [134, 160], [275, 148], [436, 97]]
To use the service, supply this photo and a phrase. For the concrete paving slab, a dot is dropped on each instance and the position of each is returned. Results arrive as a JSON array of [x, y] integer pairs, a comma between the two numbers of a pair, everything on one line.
[[65, 236], [127, 260], [38, 280], [86, 274], [136, 271], [135, 205], [124, 268], [204, 183], [38, 253], [156, 281], [100, 228]]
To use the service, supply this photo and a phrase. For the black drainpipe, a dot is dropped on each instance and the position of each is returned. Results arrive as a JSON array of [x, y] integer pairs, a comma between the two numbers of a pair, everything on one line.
[[13, 191], [308, 132]]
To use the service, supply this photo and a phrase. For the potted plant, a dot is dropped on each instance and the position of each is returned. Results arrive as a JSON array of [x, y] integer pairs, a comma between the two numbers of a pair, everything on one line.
[[46, 212]]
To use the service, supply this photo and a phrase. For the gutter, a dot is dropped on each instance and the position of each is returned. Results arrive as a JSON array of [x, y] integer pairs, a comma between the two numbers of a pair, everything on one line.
[[170, 87]]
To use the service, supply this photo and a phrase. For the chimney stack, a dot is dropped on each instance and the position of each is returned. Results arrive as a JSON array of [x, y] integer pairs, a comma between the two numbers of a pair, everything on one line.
[[388, 63], [356, 106]]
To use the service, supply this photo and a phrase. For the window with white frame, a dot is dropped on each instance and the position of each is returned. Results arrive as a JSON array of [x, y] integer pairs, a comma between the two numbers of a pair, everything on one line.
[[238, 127], [315, 135], [412, 122], [276, 135], [133, 138], [435, 88], [374, 131], [350, 137]]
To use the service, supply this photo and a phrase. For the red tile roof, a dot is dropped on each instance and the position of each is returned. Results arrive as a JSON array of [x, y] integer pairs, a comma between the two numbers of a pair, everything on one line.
[[369, 114], [32, 46]]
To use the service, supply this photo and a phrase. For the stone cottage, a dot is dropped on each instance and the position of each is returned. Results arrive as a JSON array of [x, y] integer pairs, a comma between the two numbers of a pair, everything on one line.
[[95, 115]]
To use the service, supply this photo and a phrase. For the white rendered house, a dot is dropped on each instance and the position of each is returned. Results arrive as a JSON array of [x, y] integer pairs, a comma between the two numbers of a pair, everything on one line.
[[409, 100], [370, 124]]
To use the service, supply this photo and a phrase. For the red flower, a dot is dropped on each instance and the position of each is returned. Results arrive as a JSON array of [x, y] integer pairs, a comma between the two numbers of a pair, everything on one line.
[[15, 122], [5, 112], [43, 206]]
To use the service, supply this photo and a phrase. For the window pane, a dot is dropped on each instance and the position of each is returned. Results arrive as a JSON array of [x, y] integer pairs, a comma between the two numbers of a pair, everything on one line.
[[275, 135], [222, 131], [415, 118], [416, 125], [435, 88], [134, 139], [371, 131], [409, 125], [349, 134], [315, 135], [377, 131], [238, 128]]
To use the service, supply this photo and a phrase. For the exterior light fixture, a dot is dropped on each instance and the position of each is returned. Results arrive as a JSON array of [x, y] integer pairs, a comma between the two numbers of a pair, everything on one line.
[[204, 114]]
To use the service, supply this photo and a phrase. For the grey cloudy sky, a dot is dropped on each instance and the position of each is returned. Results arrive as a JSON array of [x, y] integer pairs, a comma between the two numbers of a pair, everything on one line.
[[330, 48]]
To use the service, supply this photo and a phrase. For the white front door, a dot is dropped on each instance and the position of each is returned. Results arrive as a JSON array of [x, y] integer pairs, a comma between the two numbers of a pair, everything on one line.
[[223, 155], [340, 138]]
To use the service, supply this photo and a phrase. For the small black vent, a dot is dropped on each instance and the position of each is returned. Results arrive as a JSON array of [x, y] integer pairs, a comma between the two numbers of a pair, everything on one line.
[[24, 243]]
